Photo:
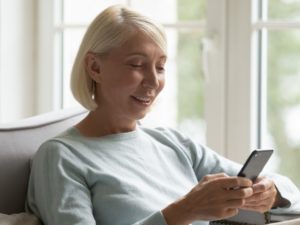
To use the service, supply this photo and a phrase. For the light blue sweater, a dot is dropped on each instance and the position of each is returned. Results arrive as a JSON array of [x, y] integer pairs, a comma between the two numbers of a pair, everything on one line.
[[119, 179]]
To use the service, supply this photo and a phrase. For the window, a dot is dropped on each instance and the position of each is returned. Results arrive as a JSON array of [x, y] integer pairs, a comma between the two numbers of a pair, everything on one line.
[[279, 42], [181, 103], [247, 98]]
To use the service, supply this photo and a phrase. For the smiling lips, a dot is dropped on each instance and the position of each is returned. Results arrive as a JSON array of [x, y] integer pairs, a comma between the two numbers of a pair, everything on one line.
[[143, 100]]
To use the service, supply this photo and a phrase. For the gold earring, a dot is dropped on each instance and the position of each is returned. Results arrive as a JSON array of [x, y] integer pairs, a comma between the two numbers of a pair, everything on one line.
[[93, 89]]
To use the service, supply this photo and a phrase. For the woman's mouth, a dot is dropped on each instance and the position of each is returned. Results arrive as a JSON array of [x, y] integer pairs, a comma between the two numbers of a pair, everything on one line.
[[142, 100]]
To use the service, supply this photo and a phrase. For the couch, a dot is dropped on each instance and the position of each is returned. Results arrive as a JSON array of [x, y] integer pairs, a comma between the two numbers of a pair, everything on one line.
[[18, 143]]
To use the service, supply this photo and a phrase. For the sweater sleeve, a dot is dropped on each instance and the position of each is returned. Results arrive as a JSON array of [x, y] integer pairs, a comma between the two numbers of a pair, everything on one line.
[[57, 192], [288, 191], [156, 218], [205, 161]]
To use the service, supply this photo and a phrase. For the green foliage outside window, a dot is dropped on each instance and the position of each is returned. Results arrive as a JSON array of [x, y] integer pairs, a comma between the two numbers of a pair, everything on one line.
[[282, 81], [283, 95], [284, 87], [191, 10], [190, 75], [283, 9]]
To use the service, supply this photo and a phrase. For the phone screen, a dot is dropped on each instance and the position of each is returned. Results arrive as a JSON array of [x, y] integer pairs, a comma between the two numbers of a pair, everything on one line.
[[255, 163]]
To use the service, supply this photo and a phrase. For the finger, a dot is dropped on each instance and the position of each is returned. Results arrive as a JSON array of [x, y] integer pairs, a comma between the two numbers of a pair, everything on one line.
[[262, 184], [258, 179], [234, 203], [211, 177], [265, 204], [242, 193], [263, 196], [231, 212], [234, 182], [268, 202], [259, 197]]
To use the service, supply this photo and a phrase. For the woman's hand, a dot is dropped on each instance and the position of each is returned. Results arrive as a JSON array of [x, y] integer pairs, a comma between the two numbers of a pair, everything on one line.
[[264, 195], [214, 197]]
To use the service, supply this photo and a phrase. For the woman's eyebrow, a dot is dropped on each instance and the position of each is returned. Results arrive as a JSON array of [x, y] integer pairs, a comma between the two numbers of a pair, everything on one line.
[[136, 54], [141, 54]]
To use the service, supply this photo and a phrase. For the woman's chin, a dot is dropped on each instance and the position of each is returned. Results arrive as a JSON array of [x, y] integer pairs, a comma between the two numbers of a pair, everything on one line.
[[141, 116]]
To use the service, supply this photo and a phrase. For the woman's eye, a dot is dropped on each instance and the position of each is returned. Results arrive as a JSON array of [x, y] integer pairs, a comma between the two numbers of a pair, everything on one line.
[[136, 65], [160, 68]]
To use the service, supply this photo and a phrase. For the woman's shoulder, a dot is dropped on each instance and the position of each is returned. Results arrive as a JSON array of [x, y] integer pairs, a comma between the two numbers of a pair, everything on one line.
[[176, 138], [64, 138], [57, 145], [57, 156]]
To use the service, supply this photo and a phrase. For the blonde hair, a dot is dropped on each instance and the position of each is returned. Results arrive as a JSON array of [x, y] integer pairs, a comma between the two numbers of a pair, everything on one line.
[[110, 29]]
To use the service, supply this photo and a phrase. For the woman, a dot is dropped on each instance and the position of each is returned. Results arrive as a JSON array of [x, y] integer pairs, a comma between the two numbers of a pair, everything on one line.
[[107, 170]]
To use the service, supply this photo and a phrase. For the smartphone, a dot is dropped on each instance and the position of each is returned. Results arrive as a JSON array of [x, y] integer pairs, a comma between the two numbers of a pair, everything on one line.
[[255, 163]]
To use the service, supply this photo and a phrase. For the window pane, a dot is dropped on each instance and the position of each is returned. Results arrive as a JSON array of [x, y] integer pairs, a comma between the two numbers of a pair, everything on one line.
[[162, 11], [84, 11], [191, 9], [178, 10], [283, 100], [181, 103], [71, 41], [190, 84], [284, 9], [164, 111]]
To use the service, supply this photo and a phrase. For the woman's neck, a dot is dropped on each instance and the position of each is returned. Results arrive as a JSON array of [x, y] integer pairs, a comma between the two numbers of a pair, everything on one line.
[[97, 125]]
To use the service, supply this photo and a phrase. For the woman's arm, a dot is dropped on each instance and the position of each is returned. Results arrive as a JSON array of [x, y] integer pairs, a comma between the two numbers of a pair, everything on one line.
[[57, 192]]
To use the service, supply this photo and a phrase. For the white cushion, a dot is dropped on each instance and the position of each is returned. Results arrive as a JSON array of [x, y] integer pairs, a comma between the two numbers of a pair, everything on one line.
[[288, 222]]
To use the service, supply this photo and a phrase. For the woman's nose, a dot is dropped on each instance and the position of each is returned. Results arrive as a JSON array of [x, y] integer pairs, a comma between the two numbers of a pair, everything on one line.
[[151, 79]]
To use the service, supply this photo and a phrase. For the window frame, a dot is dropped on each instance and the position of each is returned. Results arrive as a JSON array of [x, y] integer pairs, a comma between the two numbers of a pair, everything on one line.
[[221, 94], [1, 62], [241, 96], [232, 94], [46, 100], [49, 27]]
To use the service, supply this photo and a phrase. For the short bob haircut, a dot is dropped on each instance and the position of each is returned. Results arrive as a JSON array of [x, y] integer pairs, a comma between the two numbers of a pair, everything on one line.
[[110, 29]]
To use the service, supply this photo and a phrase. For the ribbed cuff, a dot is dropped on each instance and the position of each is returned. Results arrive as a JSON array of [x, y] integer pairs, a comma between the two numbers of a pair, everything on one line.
[[156, 218]]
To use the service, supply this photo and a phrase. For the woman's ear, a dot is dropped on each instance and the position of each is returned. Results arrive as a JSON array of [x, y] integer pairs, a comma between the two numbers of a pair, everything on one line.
[[92, 66]]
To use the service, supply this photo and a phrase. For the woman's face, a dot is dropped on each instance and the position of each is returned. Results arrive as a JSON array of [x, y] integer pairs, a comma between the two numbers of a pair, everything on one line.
[[131, 78]]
